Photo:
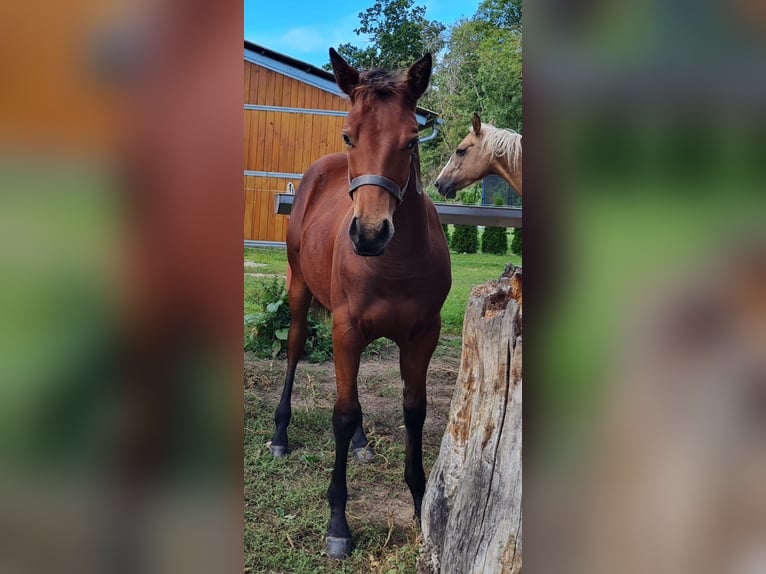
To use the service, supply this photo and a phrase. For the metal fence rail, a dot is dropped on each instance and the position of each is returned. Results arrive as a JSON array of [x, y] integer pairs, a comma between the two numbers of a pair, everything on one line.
[[454, 213]]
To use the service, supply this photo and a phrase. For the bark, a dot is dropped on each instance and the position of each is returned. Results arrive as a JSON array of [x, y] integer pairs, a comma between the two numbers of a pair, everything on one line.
[[471, 518]]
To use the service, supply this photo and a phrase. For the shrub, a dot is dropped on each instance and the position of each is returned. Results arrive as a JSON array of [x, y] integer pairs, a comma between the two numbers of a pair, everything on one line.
[[494, 240], [470, 195], [516, 242], [465, 239], [266, 331], [445, 227]]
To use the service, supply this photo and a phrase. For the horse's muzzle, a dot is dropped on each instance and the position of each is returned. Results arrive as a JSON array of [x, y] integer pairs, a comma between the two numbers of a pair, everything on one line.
[[447, 190], [370, 241]]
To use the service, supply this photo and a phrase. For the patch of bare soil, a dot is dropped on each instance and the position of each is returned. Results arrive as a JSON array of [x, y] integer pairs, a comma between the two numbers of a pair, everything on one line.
[[380, 393]]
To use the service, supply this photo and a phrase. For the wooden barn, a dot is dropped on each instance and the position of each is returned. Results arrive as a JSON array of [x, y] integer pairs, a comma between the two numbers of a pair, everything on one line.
[[293, 115]]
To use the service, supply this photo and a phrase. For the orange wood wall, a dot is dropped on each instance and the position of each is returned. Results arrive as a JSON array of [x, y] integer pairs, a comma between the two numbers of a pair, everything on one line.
[[282, 142]]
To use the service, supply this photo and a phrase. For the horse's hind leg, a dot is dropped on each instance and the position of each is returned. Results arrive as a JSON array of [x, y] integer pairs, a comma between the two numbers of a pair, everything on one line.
[[414, 357], [360, 445], [299, 299]]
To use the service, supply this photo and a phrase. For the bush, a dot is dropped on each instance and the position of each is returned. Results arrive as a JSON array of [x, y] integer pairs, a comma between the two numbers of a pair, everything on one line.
[[516, 242], [470, 195], [494, 240], [266, 331], [465, 239], [445, 227]]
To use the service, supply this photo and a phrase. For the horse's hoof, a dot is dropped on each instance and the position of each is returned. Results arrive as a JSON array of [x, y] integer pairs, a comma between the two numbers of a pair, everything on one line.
[[278, 450], [364, 454], [338, 547]]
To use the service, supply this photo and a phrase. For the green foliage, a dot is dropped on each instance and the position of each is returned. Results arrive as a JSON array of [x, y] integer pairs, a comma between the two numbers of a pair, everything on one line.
[[503, 14], [445, 227], [470, 195], [266, 330], [516, 242], [479, 71], [398, 34], [465, 239], [494, 240]]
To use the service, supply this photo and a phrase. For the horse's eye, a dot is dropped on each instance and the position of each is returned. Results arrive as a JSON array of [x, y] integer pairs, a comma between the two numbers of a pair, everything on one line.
[[346, 139], [411, 145], [460, 152]]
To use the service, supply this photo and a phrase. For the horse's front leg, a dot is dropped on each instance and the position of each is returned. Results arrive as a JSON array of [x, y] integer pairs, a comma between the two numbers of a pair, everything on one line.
[[346, 418], [414, 357]]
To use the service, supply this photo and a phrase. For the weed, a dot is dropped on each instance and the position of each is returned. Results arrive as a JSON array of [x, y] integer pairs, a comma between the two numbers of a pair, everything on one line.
[[267, 329]]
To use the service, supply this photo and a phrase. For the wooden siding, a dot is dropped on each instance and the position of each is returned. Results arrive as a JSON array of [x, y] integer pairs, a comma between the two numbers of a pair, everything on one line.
[[282, 142]]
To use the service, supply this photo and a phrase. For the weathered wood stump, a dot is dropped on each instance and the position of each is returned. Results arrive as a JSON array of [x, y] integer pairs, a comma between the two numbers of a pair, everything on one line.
[[471, 519]]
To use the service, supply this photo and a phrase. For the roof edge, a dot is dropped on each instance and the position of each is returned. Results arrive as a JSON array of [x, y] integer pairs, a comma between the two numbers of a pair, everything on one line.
[[429, 116]]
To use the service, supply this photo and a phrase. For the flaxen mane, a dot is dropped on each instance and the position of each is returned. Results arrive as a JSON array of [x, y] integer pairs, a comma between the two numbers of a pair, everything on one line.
[[502, 143]]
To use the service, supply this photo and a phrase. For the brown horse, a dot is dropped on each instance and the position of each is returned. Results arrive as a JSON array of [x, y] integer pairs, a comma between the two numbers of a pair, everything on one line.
[[485, 150], [366, 243]]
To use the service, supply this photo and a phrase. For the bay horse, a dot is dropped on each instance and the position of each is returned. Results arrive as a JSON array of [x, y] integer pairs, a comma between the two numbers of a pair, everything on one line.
[[367, 244], [484, 151]]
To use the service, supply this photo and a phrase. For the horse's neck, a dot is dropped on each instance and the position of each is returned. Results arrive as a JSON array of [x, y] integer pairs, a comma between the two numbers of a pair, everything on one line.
[[411, 220], [503, 168]]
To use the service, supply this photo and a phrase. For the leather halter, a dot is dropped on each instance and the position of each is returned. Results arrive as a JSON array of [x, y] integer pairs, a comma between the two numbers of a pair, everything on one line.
[[390, 186]]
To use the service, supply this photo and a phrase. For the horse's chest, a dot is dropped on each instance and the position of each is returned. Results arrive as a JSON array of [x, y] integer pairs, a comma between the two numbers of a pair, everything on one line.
[[386, 307]]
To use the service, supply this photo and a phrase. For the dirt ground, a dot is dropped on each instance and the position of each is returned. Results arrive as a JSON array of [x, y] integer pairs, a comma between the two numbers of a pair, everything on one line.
[[380, 391]]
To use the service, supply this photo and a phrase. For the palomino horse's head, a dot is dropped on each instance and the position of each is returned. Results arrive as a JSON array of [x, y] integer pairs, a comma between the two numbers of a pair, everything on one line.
[[485, 150], [381, 136]]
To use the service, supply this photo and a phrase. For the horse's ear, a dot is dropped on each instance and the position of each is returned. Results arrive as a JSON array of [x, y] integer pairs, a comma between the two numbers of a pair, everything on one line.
[[476, 123], [346, 77], [418, 76]]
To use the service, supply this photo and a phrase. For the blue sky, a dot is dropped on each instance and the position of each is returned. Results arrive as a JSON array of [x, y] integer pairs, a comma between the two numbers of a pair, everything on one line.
[[306, 29]]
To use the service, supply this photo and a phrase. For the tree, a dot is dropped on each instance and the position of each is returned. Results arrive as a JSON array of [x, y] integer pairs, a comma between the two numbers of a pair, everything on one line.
[[479, 71], [495, 239], [516, 242], [398, 34]]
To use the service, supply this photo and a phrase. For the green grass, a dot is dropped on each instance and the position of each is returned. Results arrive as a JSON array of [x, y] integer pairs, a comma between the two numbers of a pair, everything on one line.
[[285, 499], [468, 270], [267, 260]]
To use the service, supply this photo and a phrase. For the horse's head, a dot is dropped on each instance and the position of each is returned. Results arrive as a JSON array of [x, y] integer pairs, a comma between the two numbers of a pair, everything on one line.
[[381, 136], [467, 165]]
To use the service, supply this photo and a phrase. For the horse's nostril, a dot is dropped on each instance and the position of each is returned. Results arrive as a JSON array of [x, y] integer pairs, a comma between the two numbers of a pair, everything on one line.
[[437, 184], [353, 230], [385, 229]]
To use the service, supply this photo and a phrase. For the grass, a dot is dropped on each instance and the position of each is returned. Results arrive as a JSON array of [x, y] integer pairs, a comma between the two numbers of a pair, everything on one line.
[[468, 270], [285, 499]]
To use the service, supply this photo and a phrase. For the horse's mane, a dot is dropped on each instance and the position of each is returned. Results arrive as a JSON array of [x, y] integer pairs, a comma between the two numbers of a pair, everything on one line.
[[378, 82], [502, 142]]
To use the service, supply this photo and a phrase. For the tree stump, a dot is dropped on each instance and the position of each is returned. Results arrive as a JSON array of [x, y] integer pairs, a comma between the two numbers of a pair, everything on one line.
[[471, 519]]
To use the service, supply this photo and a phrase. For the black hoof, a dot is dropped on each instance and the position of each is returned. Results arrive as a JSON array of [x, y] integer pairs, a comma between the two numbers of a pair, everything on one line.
[[278, 450], [338, 547], [364, 454]]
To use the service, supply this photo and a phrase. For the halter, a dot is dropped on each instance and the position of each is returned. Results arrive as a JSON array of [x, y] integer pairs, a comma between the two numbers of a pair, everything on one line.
[[387, 184]]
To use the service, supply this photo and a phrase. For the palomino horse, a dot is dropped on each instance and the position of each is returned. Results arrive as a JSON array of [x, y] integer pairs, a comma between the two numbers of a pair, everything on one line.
[[485, 150], [366, 243]]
